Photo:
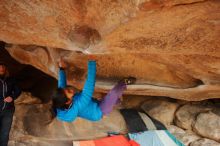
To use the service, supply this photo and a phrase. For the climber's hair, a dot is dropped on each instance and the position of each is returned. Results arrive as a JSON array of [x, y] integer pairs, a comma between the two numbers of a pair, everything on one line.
[[59, 98]]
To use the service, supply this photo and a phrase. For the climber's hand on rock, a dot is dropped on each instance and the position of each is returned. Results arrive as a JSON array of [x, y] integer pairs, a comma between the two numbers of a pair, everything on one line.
[[92, 57], [62, 63]]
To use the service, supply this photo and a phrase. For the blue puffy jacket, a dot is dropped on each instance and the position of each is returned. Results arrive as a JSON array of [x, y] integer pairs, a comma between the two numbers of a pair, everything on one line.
[[82, 106]]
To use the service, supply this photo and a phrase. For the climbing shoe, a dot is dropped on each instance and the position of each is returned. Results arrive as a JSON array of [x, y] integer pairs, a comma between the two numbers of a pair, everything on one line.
[[129, 80]]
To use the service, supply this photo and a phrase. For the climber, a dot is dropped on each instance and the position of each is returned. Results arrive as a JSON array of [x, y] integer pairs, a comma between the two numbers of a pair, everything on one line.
[[68, 103], [8, 93]]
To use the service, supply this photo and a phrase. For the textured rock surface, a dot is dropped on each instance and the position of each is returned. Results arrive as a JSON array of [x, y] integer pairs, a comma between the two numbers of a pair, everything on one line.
[[174, 129], [178, 58], [186, 115], [171, 46], [60, 23], [32, 124], [134, 102], [34, 141], [162, 110], [155, 79], [69, 24], [187, 137], [205, 142], [208, 125]]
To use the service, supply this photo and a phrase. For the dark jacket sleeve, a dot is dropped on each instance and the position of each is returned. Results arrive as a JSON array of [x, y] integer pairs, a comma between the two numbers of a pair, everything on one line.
[[16, 91]]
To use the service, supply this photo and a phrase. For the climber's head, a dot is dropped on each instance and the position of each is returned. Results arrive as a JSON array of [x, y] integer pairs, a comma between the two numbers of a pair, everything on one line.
[[62, 98]]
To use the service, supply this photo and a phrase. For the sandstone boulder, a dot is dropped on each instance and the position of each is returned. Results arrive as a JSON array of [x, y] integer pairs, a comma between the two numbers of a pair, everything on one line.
[[35, 141], [174, 129], [205, 142], [134, 101], [186, 115], [27, 98], [208, 125], [162, 110], [34, 121], [186, 137]]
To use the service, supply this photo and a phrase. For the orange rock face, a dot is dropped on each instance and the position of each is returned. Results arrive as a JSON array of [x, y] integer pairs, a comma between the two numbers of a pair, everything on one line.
[[171, 47], [69, 24]]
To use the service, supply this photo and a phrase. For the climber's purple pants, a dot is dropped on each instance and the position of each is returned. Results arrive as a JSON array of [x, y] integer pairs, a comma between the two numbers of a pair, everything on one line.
[[112, 98]]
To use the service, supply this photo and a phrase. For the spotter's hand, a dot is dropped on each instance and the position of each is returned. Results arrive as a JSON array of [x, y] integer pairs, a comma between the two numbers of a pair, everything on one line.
[[8, 99]]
